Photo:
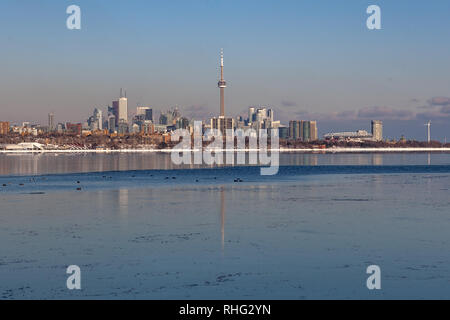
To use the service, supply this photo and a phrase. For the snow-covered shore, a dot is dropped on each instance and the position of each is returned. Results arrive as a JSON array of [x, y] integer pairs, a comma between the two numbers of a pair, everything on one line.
[[281, 150]]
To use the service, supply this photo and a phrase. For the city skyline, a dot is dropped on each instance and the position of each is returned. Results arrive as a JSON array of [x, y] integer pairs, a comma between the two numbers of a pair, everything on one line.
[[306, 61]]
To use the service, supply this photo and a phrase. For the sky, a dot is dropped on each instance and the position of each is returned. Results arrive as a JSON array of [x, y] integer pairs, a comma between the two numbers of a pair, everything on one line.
[[308, 60]]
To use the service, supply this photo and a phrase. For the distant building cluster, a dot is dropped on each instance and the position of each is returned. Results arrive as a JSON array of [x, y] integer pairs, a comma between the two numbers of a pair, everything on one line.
[[303, 130], [117, 122]]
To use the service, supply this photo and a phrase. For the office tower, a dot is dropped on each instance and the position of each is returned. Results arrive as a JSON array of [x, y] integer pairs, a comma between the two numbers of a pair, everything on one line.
[[283, 132], [98, 119], [222, 124], [146, 112], [294, 129], [149, 114], [222, 85], [115, 111], [122, 128], [305, 131], [123, 107], [112, 123], [182, 123], [313, 131], [270, 114], [377, 130], [51, 122], [261, 114], [251, 112], [4, 128]]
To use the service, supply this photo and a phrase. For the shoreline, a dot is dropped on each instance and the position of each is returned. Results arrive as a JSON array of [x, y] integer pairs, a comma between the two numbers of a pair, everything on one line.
[[280, 150]]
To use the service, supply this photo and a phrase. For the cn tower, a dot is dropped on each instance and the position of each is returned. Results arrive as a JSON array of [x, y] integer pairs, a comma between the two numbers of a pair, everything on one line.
[[222, 85]]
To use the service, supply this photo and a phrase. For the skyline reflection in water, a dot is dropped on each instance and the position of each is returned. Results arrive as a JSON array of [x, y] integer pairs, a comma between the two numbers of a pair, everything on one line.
[[38, 164]]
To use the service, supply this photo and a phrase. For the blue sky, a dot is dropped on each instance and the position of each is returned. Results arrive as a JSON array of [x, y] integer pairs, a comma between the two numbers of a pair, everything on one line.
[[306, 59]]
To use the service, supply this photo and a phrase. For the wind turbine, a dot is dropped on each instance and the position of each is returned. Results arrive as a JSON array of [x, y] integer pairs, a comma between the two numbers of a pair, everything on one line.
[[428, 124]]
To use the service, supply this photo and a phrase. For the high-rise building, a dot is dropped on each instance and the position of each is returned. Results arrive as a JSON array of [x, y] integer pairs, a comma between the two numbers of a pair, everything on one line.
[[294, 129], [182, 123], [115, 111], [270, 114], [313, 131], [122, 128], [146, 112], [251, 112], [222, 124], [123, 109], [112, 123], [283, 132], [120, 108], [95, 122], [377, 130], [305, 131], [51, 122], [4, 128]]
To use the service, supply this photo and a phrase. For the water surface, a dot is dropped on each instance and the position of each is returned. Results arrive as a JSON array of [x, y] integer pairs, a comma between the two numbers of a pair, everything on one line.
[[309, 232]]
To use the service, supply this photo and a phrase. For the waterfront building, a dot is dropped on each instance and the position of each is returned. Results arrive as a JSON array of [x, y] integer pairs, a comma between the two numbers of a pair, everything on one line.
[[377, 130], [112, 123], [294, 129], [283, 132], [313, 131], [349, 135], [4, 128], [74, 128], [303, 130], [51, 122]]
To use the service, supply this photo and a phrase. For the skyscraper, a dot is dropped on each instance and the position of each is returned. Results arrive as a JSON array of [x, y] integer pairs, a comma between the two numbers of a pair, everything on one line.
[[305, 131], [95, 122], [123, 107], [251, 112], [112, 123], [115, 111], [51, 122], [120, 108], [377, 130], [294, 129], [146, 112], [313, 131]]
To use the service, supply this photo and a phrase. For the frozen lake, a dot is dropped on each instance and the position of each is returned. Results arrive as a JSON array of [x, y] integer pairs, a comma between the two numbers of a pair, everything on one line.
[[309, 232]]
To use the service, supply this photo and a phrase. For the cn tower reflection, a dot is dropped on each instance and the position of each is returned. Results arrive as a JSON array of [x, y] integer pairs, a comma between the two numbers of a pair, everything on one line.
[[222, 215]]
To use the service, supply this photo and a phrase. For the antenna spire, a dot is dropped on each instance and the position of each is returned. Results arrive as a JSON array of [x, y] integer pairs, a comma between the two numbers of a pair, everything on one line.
[[222, 85]]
